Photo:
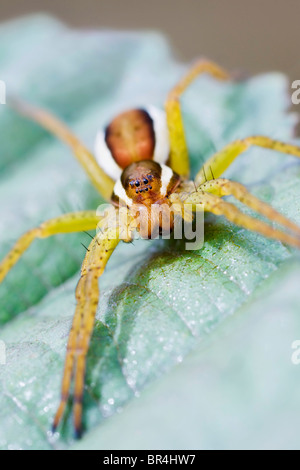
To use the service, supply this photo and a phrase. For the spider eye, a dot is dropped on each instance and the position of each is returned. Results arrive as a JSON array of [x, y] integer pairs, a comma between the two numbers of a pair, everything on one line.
[[137, 183], [131, 183], [150, 177], [145, 181]]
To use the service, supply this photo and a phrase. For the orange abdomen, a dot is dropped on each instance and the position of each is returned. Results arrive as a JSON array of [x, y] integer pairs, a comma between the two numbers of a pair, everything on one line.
[[130, 137]]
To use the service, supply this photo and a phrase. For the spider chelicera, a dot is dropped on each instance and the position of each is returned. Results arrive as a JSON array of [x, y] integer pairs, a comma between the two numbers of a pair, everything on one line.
[[141, 159]]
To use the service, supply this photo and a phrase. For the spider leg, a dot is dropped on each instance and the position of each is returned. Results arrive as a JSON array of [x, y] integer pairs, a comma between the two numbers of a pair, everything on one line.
[[179, 159], [224, 187], [87, 296], [72, 222], [102, 182], [220, 161], [212, 203]]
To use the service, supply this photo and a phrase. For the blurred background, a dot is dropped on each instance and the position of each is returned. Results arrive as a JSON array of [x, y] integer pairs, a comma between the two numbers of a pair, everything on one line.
[[240, 389], [252, 35]]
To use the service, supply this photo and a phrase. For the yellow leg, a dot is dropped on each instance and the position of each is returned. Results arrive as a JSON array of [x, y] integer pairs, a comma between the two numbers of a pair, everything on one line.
[[223, 187], [102, 182], [179, 159], [72, 222], [87, 296], [220, 161], [211, 203]]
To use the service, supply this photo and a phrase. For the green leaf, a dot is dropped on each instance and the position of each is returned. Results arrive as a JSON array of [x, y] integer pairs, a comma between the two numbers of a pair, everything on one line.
[[187, 330]]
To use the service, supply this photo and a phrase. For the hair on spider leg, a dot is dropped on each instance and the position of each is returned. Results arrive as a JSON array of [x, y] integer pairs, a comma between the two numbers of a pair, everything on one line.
[[84, 246], [91, 236], [212, 173]]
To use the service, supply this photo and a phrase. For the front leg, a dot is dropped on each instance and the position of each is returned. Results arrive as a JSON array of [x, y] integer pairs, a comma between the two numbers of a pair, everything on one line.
[[87, 296], [220, 161], [179, 158], [224, 187], [204, 201], [67, 223]]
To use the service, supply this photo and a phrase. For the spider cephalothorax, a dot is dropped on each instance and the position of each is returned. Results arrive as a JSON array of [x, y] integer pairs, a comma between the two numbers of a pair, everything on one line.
[[145, 188], [142, 163]]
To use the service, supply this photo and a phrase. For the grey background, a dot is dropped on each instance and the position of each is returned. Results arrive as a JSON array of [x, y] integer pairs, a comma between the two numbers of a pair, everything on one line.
[[254, 35], [249, 37]]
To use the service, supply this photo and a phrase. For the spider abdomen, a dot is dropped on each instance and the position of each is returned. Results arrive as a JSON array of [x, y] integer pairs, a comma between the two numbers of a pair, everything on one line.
[[130, 137], [133, 136]]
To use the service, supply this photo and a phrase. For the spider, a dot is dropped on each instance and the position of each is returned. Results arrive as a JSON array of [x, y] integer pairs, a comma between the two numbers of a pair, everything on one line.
[[141, 159]]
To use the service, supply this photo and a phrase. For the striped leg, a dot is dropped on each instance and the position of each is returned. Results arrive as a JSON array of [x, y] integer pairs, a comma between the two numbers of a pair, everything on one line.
[[220, 161], [87, 296], [72, 222], [212, 203], [102, 182], [223, 187], [179, 159]]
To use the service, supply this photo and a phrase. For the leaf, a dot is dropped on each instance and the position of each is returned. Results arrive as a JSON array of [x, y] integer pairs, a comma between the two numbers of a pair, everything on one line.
[[160, 306], [237, 390]]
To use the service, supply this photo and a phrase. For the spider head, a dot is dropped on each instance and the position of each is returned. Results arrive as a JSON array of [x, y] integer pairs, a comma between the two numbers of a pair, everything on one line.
[[146, 182]]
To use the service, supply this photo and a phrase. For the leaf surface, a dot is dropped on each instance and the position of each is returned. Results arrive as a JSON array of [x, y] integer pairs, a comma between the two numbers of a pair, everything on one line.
[[163, 310]]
